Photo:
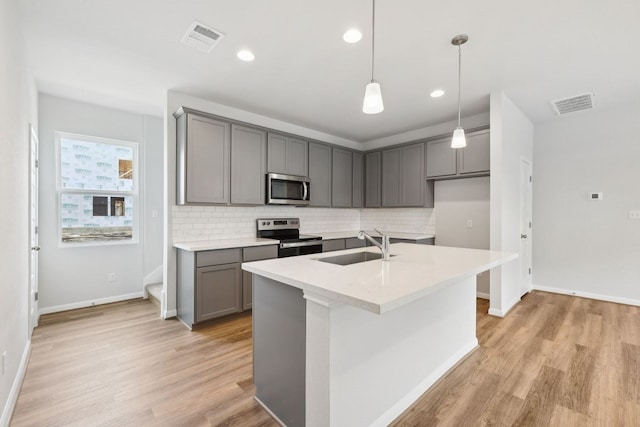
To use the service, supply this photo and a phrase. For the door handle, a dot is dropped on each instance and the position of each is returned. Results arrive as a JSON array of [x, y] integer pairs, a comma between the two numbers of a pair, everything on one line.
[[35, 248], [523, 236]]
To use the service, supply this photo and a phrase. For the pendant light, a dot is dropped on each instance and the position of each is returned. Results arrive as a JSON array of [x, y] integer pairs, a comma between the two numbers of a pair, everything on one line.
[[458, 140], [372, 103]]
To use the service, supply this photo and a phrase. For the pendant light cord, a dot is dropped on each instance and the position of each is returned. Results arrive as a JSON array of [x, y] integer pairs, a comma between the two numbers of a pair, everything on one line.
[[373, 37], [459, 78]]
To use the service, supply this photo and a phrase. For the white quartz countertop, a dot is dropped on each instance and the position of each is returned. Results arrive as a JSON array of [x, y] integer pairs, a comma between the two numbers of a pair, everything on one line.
[[373, 233], [208, 245], [413, 272]]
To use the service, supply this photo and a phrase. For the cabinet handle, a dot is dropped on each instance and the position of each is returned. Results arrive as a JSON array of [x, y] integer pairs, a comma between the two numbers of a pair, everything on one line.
[[523, 236]]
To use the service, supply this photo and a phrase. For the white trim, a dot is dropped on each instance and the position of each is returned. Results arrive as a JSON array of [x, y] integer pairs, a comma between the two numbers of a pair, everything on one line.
[[12, 399], [483, 295], [83, 304], [168, 314], [503, 313], [600, 297], [401, 405]]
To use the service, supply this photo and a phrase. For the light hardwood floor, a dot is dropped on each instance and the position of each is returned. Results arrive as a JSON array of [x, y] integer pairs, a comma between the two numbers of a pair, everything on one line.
[[554, 361]]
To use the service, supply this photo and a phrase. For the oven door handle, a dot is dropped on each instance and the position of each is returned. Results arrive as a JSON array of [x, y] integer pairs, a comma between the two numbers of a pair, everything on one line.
[[300, 244]]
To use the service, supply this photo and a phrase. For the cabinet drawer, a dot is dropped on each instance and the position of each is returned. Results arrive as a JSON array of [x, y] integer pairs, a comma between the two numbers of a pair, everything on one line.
[[259, 252], [223, 256]]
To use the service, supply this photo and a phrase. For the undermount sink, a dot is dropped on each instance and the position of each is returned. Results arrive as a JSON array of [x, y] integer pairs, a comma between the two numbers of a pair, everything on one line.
[[349, 259]]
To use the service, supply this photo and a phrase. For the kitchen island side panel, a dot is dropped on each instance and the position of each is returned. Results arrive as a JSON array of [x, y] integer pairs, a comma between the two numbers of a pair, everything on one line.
[[279, 349]]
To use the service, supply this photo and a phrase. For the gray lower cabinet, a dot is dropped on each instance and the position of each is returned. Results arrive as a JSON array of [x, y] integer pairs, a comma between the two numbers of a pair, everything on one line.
[[211, 283], [287, 155], [342, 175], [354, 242], [333, 245], [444, 162], [203, 159], [248, 159], [372, 194], [357, 180], [320, 174], [254, 254]]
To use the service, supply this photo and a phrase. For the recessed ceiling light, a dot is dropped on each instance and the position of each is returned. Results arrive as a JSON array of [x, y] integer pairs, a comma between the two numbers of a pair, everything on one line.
[[352, 36], [437, 93], [246, 55]]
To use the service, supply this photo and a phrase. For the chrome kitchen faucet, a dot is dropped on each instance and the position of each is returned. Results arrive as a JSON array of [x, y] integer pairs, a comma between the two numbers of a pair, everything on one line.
[[384, 246]]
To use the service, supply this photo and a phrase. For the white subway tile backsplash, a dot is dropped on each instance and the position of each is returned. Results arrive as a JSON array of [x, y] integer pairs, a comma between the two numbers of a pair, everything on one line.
[[198, 223]]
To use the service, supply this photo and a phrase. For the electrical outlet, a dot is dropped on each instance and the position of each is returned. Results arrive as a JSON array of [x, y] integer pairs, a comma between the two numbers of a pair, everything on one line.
[[469, 223], [4, 361], [634, 214], [112, 277]]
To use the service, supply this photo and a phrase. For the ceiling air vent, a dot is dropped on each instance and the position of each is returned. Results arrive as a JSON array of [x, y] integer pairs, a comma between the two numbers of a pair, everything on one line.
[[573, 104], [202, 37]]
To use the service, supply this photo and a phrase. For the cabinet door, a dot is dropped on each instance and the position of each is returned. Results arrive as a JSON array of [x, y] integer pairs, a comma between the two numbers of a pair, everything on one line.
[[297, 157], [277, 153], [248, 255], [342, 168], [248, 160], [357, 180], [391, 177], [412, 175], [320, 174], [474, 157], [354, 242], [441, 158], [372, 180], [247, 296], [206, 161], [218, 291]]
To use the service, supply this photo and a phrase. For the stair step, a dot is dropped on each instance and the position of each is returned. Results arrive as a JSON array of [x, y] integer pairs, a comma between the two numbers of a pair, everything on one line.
[[155, 291]]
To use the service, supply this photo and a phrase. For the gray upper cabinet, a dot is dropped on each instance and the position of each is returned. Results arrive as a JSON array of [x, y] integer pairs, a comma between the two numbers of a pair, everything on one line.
[[320, 174], [391, 180], [412, 179], [248, 161], [403, 176], [357, 180], [474, 158], [342, 170], [287, 155], [203, 160], [373, 163], [441, 158], [444, 162]]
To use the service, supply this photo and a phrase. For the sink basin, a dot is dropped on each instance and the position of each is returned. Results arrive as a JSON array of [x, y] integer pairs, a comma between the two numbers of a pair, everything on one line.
[[349, 259]]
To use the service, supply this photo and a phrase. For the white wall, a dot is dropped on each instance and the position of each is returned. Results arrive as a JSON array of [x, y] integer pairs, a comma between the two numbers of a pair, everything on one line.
[[152, 192], [511, 142], [456, 202], [18, 108], [72, 277], [588, 247]]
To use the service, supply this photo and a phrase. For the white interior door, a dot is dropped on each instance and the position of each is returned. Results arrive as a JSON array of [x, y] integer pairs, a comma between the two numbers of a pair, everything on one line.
[[33, 229], [526, 185]]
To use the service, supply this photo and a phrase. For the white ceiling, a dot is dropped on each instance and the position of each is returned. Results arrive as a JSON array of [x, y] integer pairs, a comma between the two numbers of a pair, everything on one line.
[[127, 54]]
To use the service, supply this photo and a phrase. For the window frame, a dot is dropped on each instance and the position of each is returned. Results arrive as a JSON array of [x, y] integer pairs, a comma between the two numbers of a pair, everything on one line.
[[133, 193]]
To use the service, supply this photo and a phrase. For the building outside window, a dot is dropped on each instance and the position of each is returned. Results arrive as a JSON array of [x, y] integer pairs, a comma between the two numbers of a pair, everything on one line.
[[97, 190]]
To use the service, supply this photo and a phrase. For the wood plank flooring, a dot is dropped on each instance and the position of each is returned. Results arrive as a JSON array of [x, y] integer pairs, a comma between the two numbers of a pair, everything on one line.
[[554, 361]]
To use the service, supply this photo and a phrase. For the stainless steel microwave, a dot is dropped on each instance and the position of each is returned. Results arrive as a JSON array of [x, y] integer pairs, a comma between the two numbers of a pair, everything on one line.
[[287, 189]]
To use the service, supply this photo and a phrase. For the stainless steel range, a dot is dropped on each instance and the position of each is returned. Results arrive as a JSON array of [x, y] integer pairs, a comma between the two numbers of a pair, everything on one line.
[[287, 231]]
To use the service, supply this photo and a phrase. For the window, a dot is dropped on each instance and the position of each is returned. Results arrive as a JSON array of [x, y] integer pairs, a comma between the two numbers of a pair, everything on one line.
[[97, 190]]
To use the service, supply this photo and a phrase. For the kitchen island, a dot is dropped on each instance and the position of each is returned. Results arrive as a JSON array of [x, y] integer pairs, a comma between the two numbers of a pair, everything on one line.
[[355, 345]]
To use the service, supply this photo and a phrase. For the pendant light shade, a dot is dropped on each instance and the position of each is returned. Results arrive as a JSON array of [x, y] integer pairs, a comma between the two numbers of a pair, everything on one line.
[[458, 140], [372, 103], [372, 98]]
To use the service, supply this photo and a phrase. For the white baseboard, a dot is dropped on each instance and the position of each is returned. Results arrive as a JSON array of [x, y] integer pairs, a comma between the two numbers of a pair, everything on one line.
[[170, 313], [83, 304], [482, 295], [503, 313], [12, 399], [400, 406], [600, 297]]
